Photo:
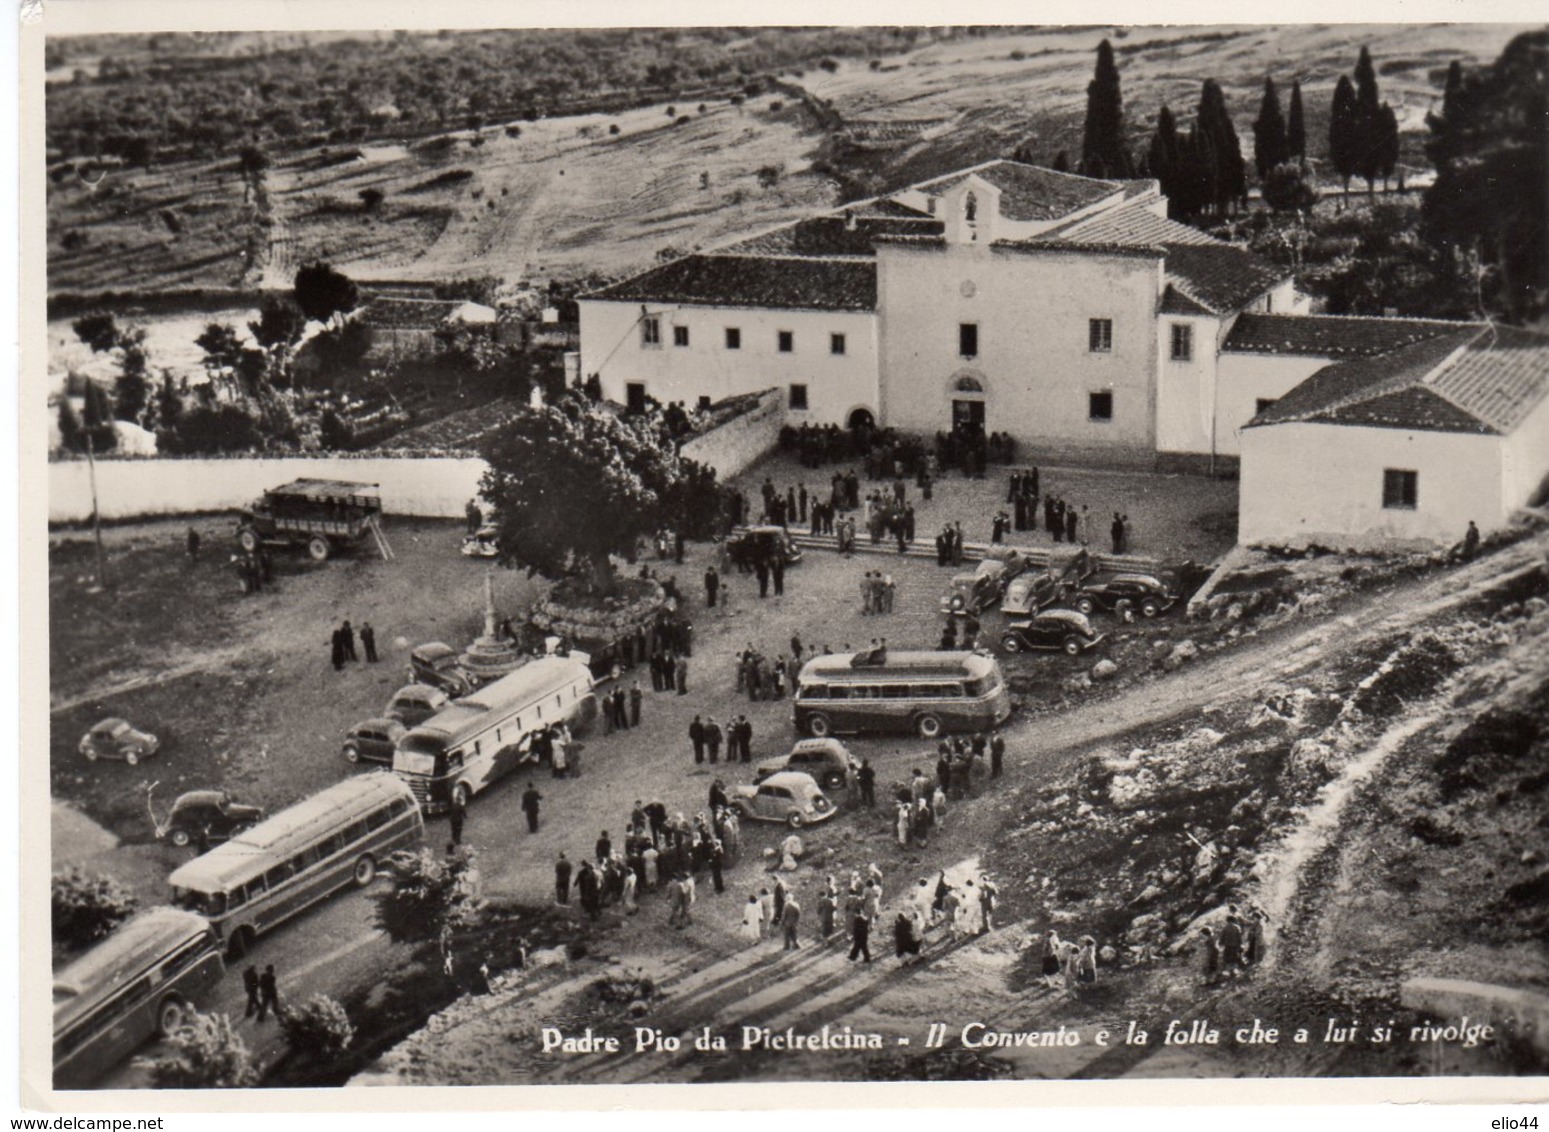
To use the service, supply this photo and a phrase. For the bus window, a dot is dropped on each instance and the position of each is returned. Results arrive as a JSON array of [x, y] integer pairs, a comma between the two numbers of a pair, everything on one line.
[[376, 819], [894, 691], [982, 686], [839, 691], [356, 831], [280, 874]]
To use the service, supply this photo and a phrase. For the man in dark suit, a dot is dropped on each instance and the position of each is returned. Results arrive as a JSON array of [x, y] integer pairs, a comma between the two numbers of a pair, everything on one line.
[[696, 736], [713, 739]]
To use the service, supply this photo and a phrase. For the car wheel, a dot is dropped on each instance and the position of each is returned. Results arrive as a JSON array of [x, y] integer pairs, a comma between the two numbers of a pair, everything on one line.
[[170, 1016], [1011, 643], [365, 871], [352, 752], [1086, 605], [1150, 607], [180, 838], [132, 758], [247, 539], [1073, 646], [929, 726], [834, 781], [91, 754], [318, 548], [819, 725], [461, 794], [793, 820]]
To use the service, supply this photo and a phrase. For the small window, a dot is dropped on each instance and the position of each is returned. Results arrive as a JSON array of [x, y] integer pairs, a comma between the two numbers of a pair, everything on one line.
[[1183, 342], [733, 338], [798, 398], [1099, 406], [1099, 335], [836, 343], [787, 341], [968, 339], [1400, 489], [651, 332], [1263, 403], [680, 336]]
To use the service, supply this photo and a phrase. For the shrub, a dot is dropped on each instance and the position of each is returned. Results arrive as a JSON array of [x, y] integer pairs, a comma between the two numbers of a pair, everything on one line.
[[86, 906], [372, 199], [205, 430], [682, 120], [204, 1053], [318, 1028], [429, 895], [614, 129], [776, 106]]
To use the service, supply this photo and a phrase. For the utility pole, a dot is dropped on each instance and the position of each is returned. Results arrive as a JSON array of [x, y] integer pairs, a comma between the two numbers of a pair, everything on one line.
[[96, 514]]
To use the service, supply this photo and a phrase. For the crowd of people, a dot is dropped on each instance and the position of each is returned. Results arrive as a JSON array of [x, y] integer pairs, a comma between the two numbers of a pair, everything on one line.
[[1233, 948]]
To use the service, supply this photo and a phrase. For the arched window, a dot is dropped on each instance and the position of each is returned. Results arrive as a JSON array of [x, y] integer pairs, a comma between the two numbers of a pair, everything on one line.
[[970, 207], [968, 385]]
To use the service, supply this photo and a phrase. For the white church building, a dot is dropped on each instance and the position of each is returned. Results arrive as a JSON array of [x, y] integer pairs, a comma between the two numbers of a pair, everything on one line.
[[1065, 311]]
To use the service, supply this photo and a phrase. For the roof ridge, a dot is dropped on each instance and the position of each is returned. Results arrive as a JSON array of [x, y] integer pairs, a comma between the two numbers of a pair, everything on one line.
[[827, 257]]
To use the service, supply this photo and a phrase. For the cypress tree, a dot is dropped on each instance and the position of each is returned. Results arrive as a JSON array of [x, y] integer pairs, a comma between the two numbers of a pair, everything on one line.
[[1229, 179], [1102, 144], [1296, 127], [1342, 140], [1368, 132], [1438, 147], [1163, 159], [1387, 147], [1269, 134]]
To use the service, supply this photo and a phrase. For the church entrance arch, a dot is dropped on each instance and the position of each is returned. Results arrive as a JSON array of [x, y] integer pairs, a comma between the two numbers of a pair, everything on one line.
[[861, 418], [968, 396]]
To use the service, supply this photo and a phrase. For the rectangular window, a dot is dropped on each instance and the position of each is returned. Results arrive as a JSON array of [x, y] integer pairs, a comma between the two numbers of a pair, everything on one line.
[[1099, 335], [733, 338], [968, 339], [836, 343], [1400, 489], [650, 332], [1099, 406], [787, 341], [1183, 342], [798, 398], [1263, 403], [680, 336]]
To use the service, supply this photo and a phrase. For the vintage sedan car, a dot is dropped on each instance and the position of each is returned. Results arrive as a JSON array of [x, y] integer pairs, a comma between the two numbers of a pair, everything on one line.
[[828, 761], [413, 704], [1052, 629], [440, 666], [483, 543], [115, 738], [1108, 589], [206, 817], [749, 545], [373, 741], [1031, 591], [790, 796], [983, 589]]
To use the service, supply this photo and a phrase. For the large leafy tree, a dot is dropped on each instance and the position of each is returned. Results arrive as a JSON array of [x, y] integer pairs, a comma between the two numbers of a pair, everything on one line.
[[323, 293], [1490, 146], [572, 483], [1102, 147]]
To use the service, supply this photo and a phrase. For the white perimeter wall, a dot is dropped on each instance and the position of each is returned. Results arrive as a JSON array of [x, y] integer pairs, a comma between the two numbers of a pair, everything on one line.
[[1323, 483], [836, 384], [1526, 457]]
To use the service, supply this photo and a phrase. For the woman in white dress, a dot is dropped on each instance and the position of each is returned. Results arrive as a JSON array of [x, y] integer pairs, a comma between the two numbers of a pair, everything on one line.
[[752, 928]]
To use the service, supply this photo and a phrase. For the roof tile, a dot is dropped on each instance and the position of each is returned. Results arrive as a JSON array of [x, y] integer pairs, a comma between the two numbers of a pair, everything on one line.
[[1330, 336], [794, 283]]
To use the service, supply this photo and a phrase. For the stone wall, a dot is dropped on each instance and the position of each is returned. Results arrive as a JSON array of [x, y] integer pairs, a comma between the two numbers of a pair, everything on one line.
[[743, 440]]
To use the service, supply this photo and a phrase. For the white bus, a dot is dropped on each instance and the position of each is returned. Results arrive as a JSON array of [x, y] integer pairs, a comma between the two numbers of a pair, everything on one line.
[[267, 874], [133, 986], [479, 739]]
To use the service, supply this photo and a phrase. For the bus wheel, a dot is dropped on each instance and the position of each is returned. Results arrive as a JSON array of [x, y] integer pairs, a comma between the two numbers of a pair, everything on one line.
[[818, 725], [461, 794], [247, 539], [318, 548], [365, 871], [929, 726], [241, 942], [170, 1016]]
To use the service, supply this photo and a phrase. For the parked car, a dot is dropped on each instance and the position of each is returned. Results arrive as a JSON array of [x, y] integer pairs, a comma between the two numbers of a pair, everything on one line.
[[748, 545], [1031, 591], [483, 543], [115, 738], [206, 817], [790, 796], [983, 589], [1107, 589], [1052, 629], [826, 760], [413, 704], [440, 666], [373, 741]]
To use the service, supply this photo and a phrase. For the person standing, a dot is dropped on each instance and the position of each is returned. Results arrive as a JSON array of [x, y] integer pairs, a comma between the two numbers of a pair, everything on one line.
[[866, 780], [562, 879], [745, 738], [456, 816], [269, 995], [680, 672], [635, 696], [1229, 942], [828, 904], [717, 855], [1470, 541], [712, 585], [790, 917], [347, 635], [752, 928], [1210, 957], [530, 800], [338, 650], [713, 739], [777, 572], [997, 754], [193, 544], [696, 736], [860, 936], [1116, 533], [250, 983], [368, 641], [604, 847]]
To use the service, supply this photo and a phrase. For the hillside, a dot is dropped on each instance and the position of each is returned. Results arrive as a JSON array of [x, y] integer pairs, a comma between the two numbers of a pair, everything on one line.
[[569, 196]]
